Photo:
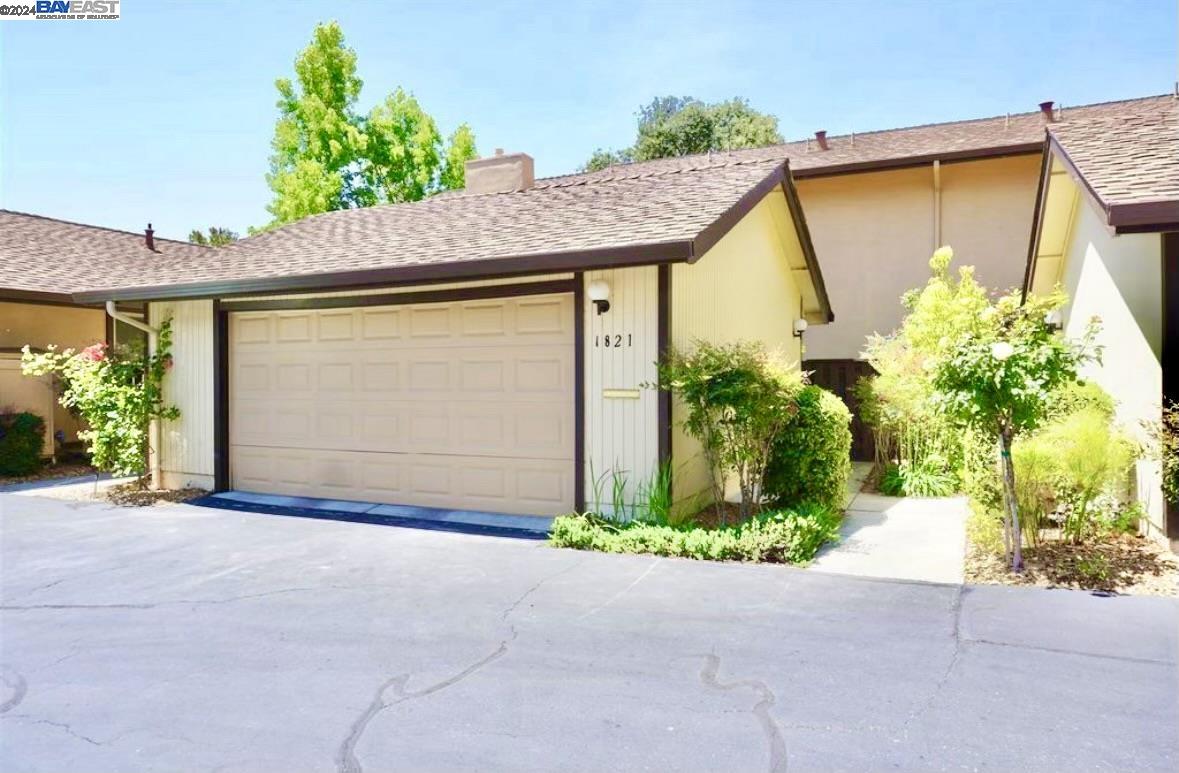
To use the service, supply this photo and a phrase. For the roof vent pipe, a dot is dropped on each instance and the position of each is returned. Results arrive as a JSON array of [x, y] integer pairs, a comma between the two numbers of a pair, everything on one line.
[[821, 137], [1046, 109], [149, 238]]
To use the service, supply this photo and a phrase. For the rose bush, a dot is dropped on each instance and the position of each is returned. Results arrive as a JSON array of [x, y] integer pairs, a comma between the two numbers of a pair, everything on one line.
[[116, 395]]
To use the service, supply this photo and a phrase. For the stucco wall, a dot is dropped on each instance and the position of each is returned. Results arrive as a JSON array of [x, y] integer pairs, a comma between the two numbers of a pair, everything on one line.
[[874, 232], [19, 392], [39, 326], [1118, 279], [741, 289]]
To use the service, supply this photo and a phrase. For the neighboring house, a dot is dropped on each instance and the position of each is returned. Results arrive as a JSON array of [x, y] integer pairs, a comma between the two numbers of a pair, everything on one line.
[[879, 203], [42, 261], [490, 350], [1107, 231]]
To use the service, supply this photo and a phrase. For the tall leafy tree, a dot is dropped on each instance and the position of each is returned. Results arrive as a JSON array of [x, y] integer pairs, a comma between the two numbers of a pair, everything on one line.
[[326, 155], [216, 237], [318, 138], [679, 126]]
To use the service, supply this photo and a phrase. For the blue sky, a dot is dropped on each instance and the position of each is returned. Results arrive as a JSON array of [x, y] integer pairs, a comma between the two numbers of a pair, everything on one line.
[[167, 114]]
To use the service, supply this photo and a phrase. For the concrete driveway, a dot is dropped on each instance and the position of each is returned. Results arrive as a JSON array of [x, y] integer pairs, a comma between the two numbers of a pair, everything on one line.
[[184, 639]]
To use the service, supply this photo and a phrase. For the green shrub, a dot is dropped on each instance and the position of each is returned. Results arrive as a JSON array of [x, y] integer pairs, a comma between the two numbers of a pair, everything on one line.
[[1035, 491], [811, 457], [898, 403], [980, 470], [1079, 396], [737, 398], [1089, 458], [1164, 445], [782, 536], [22, 439], [984, 529], [928, 477]]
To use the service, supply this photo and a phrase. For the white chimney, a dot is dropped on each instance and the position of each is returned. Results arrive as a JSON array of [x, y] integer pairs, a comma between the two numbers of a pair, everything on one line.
[[501, 173]]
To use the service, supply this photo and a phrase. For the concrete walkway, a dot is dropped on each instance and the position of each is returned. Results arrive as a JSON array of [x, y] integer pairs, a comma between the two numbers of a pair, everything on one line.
[[902, 538]]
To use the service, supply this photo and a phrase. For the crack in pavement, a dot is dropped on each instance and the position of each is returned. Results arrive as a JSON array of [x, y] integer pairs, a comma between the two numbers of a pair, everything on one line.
[[1062, 651], [346, 760], [59, 725], [16, 685], [761, 709], [956, 635], [622, 592]]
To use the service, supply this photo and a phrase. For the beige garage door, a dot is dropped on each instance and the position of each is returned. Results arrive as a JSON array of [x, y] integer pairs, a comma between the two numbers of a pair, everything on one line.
[[465, 405]]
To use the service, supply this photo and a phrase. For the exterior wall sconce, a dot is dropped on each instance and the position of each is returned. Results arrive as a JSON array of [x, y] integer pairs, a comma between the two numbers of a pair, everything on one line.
[[800, 326], [599, 292], [1054, 320]]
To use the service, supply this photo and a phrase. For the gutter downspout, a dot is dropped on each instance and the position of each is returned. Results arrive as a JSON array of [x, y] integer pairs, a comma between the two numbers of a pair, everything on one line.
[[937, 204], [153, 428]]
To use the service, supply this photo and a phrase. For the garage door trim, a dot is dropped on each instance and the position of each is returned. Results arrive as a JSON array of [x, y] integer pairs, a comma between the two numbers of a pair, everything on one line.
[[222, 310]]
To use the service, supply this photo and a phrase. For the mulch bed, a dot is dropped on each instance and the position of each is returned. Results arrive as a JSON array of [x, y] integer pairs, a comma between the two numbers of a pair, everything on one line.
[[50, 472], [1120, 564], [707, 517], [133, 495]]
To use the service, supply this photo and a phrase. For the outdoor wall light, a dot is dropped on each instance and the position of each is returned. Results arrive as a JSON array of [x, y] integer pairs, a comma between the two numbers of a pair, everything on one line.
[[799, 327], [1054, 320], [599, 292]]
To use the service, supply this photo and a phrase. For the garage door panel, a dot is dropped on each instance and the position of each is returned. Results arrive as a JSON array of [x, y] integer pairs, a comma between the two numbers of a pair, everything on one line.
[[456, 482], [466, 404]]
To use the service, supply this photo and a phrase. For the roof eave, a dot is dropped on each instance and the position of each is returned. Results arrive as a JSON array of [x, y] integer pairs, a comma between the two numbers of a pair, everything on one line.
[[14, 295], [472, 270], [1144, 216], [1029, 271], [877, 165]]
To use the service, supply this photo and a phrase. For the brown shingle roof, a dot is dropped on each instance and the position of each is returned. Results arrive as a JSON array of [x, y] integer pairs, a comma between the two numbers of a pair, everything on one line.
[[1129, 161], [656, 218], [978, 138], [56, 257]]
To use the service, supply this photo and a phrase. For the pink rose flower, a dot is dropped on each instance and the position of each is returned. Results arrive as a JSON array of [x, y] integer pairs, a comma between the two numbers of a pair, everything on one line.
[[94, 353]]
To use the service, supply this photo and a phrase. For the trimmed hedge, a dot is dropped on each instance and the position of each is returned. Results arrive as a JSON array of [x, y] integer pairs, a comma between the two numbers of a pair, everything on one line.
[[811, 457], [22, 438], [784, 536]]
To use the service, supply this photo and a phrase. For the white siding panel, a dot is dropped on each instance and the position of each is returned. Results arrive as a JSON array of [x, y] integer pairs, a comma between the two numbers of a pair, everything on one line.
[[621, 432], [187, 443]]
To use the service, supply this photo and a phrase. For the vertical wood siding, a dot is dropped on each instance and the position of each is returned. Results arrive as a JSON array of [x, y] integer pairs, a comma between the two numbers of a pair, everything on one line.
[[621, 434], [187, 443]]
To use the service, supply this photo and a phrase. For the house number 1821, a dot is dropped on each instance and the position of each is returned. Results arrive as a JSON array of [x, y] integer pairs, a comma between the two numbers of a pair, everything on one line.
[[616, 341]]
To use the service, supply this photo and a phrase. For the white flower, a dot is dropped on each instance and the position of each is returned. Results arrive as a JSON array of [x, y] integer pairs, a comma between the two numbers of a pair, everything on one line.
[[1002, 350]]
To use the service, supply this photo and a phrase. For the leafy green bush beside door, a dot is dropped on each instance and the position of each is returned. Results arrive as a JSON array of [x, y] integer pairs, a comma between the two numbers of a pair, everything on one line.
[[22, 440], [810, 459]]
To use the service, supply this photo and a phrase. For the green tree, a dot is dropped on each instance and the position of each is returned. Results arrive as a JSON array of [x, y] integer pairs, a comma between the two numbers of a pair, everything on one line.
[[460, 148], [601, 159], [679, 126], [998, 377], [318, 139], [216, 237], [327, 156]]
